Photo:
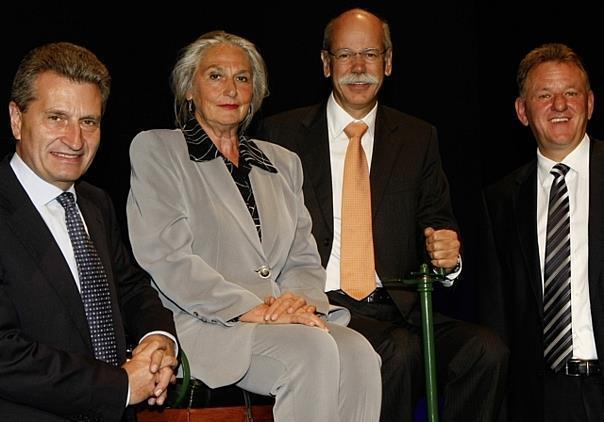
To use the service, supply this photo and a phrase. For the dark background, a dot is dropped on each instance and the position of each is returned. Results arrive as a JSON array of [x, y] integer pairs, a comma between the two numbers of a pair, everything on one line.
[[454, 65]]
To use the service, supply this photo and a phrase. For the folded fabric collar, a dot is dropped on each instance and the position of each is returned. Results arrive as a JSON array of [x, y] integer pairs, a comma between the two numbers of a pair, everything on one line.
[[201, 148]]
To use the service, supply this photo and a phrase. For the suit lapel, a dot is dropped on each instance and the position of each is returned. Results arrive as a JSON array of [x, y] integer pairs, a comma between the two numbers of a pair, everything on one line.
[[386, 148], [596, 239], [314, 154], [225, 191], [33, 235], [525, 215]]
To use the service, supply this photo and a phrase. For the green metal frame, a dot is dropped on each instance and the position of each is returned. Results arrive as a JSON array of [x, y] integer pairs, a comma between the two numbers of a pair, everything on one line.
[[181, 391], [423, 281]]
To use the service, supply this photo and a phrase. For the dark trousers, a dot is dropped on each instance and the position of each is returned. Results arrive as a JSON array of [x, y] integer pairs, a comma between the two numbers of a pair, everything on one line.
[[573, 399], [471, 363]]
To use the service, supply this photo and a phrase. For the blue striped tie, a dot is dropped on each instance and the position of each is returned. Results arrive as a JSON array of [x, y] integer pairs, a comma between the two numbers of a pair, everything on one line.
[[94, 287], [557, 331]]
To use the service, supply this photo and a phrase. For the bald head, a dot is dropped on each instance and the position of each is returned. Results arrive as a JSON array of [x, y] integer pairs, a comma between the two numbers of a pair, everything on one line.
[[359, 20]]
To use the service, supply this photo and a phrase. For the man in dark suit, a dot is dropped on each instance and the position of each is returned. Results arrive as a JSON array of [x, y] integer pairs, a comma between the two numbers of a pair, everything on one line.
[[537, 261], [412, 223], [63, 324]]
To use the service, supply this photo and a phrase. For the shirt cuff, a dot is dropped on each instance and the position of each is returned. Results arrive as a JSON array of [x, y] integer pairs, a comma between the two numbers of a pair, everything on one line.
[[452, 276], [163, 333]]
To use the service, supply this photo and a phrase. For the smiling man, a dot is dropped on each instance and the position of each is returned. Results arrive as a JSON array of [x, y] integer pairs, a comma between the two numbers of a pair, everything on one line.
[[403, 211], [69, 290], [544, 247]]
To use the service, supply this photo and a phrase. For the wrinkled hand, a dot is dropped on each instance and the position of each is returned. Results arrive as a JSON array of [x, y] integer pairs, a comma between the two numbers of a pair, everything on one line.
[[158, 351], [286, 303], [443, 247], [303, 315]]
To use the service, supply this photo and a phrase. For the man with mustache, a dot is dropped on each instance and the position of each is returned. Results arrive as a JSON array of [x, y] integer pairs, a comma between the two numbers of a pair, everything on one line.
[[409, 221]]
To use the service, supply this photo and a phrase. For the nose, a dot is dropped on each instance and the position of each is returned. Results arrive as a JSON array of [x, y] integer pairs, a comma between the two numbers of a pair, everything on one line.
[[73, 136], [230, 89], [559, 102], [358, 62]]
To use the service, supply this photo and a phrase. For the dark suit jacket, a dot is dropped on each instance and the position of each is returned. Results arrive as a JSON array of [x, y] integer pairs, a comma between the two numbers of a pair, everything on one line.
[[511, 292], [409, 190], [47, 367]]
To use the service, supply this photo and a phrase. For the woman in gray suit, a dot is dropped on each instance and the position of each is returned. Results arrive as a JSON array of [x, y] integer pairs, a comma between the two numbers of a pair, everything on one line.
[[219, 222]]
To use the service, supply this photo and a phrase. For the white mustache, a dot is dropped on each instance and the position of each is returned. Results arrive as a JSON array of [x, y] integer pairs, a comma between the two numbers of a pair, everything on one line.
[[358, 78]]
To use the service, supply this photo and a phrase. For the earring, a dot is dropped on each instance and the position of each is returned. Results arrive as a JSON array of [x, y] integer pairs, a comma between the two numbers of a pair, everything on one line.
[[190, 106]]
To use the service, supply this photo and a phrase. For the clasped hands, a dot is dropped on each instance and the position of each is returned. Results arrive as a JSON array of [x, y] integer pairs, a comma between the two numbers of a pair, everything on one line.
[[443, 248], [285, 309], [151, 369]]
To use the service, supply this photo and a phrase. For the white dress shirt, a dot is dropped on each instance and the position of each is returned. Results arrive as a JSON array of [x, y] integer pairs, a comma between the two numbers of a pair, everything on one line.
[[337, 120], [44, 197], [577, 182]]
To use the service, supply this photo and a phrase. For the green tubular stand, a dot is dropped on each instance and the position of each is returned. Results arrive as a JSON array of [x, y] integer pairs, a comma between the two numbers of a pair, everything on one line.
[[423, 281], [181, 391]]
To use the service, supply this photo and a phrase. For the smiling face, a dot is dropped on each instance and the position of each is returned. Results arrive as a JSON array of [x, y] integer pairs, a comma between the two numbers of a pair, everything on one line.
[[59, 134], [557, 104], [222, 89], [356, 82]]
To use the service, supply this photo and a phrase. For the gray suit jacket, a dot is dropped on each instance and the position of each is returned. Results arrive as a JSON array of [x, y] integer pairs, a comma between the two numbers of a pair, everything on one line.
[[191, 230]]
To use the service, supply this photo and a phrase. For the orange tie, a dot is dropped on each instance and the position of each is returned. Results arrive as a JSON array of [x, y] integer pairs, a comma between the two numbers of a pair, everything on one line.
[[357, 265]]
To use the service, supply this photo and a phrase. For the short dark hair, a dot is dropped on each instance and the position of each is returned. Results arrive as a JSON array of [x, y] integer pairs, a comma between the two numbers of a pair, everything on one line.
[[551, 52], [65, 59]]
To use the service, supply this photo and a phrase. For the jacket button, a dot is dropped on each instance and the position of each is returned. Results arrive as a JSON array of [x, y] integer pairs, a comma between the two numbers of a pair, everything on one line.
[[264, 271], [326, 242]]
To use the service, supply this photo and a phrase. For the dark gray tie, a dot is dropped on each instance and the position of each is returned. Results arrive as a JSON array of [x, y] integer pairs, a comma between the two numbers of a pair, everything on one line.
[[94, 287], [558, 342]]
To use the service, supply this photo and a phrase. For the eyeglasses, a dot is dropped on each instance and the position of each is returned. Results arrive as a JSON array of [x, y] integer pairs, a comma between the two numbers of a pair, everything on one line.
[[369, 55]]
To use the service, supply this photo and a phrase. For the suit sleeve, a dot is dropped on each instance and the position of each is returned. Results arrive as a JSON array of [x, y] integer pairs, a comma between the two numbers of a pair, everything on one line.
[[49, 377], [434, 205], [141, 308]]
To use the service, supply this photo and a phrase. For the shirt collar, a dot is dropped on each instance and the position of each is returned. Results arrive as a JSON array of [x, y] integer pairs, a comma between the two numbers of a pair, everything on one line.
[[577, 161], [201, 148], [338, 119], [39, 190]]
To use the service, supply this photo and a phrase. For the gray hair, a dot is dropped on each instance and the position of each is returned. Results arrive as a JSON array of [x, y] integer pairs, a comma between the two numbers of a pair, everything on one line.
[[552, 52], [185, 68], [327, 33], [65, 59]]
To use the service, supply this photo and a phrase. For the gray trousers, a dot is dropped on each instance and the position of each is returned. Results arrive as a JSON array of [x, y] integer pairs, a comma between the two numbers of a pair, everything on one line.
[[315, 376]]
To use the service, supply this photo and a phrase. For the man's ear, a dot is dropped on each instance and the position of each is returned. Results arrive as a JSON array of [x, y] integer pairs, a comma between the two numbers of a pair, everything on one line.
[[388, 62], [520, 106], [15, 119], [326, 63]]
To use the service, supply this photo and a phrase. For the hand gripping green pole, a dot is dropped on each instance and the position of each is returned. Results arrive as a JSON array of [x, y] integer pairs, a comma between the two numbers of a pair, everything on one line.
[[423, 280]]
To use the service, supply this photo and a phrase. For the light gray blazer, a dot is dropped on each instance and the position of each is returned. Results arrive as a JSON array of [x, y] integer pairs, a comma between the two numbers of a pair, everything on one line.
[[191, 230]]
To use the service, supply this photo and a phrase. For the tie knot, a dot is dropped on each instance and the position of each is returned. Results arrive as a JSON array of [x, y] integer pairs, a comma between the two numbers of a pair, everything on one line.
[[66, 200], [559, 170], [355, 130]]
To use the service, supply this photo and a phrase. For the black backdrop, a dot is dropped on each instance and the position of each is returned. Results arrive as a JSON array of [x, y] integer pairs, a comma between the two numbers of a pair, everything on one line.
[[454, 65]]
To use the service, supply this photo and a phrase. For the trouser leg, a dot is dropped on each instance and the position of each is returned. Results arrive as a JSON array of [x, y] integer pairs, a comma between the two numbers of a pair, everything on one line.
[[472, 368], [400, 350], [312, 374], [360, 390]]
